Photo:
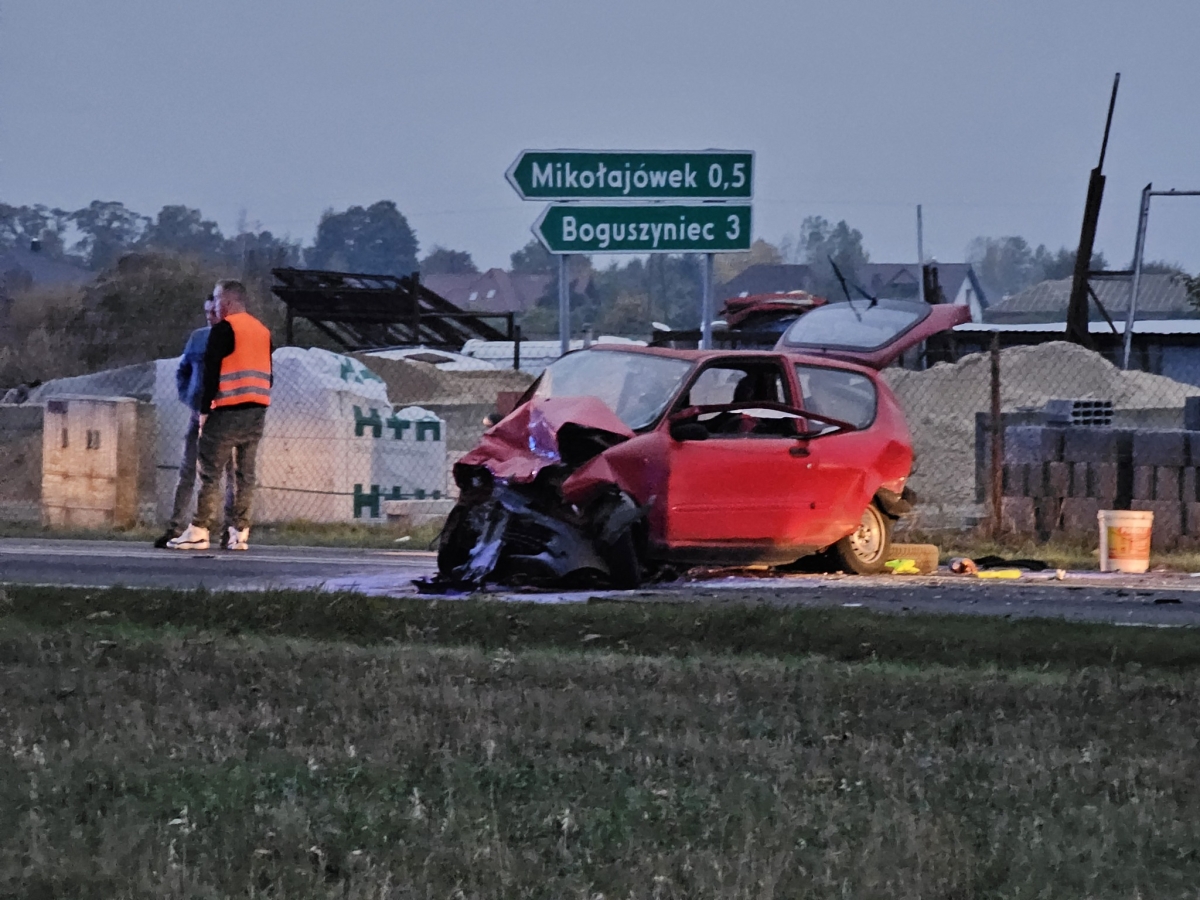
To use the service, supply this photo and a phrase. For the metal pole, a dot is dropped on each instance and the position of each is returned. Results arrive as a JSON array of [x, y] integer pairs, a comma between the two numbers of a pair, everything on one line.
[[706, 304], [517, 348], [997, 437], [1138, 248], [564, 306], [920, 255]]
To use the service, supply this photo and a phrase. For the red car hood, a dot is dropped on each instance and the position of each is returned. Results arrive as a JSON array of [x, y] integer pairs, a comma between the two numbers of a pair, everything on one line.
[[526, 441]]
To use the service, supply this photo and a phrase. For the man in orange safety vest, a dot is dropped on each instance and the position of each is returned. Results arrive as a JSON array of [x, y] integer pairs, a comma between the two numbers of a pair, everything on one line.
[[237, 392]]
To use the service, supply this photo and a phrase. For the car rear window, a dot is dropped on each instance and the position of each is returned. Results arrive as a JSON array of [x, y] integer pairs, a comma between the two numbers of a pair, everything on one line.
[[854, 326], [839, 394]]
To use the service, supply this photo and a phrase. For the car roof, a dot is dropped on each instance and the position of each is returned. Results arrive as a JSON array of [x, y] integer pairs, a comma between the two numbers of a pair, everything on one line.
[[704, 356]]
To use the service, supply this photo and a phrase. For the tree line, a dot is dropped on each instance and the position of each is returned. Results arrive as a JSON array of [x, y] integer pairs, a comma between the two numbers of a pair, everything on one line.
[[622, 297]]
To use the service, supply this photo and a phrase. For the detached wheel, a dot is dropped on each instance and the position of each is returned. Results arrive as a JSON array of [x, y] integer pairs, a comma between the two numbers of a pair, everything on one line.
[[866, 549]]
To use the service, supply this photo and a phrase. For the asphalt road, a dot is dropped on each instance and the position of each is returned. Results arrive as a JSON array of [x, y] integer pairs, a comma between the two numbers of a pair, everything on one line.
[[1155, 600], [108, 563]]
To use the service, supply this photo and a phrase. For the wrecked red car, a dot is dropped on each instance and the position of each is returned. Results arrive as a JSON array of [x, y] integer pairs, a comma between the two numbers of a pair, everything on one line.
[[623, 463]]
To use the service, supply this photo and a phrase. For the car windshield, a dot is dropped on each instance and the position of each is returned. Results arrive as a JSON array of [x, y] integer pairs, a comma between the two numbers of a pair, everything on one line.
[[855, 326], [635, 386]]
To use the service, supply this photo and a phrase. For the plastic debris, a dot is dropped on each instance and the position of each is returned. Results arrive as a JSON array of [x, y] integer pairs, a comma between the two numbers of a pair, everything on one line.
[[961, 565]]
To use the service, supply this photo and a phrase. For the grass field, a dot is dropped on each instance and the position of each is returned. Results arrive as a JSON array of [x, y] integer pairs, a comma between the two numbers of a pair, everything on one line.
[[306, 745]]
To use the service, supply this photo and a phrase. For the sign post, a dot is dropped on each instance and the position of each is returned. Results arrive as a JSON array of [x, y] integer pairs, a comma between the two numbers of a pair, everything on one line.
[[564, 305], [706, 305], [638, 202]]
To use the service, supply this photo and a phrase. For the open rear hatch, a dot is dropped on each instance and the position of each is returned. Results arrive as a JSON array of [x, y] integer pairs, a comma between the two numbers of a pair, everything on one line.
[[871, 333]]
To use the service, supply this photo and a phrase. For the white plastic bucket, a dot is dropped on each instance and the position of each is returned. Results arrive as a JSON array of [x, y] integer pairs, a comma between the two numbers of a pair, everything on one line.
[[1125, 540]]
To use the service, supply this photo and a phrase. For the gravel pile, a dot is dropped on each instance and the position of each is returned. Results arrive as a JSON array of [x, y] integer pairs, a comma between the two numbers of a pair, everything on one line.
[[940, 404], [419, 383]]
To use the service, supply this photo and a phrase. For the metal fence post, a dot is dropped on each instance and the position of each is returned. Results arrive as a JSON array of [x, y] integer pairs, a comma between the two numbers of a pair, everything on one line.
[[1139, 247], [564, 306], [996, 481], [706, 305], [516, 348]]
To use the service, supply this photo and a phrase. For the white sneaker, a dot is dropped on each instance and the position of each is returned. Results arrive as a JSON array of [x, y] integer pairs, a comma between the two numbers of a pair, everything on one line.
[[238, 539], [193, 538]]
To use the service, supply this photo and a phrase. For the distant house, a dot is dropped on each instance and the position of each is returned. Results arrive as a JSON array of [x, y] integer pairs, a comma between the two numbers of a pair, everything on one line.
[[23, 268], [1159, 297], [492, 291], [884, 280]]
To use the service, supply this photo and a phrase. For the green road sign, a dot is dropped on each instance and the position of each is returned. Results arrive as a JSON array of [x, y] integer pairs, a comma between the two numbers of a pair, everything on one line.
[[700, 228], [632, 175]]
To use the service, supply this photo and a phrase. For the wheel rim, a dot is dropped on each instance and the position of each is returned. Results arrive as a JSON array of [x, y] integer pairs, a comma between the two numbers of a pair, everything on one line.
[[869, 538]]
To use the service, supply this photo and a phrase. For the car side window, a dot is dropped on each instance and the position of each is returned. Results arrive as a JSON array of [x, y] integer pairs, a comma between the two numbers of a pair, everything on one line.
[[743, 382], [839, 394], [718, 385]]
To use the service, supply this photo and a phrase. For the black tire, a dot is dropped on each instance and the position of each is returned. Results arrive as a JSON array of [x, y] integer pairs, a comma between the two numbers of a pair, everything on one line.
[[867, 548]]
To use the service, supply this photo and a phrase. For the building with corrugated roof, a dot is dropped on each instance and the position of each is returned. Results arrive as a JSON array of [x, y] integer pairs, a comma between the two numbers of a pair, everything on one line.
[[1160, 296]]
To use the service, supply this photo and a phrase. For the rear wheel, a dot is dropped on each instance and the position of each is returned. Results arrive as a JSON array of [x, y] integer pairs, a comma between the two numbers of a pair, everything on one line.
[[865, 550]]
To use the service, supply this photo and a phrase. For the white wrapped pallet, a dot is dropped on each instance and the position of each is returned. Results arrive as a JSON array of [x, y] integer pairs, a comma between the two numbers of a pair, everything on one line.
[[333, 447]]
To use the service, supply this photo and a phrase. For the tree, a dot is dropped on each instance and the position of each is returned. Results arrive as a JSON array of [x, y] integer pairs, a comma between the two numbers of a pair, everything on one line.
[[109, 230], [727, 266], [1192, 284], [668, 287], [1006, 265], [625, 315], [21, 225], [376, 240], [532, 259], [818, 243], [184, 230], [260, 252], [441, 261]]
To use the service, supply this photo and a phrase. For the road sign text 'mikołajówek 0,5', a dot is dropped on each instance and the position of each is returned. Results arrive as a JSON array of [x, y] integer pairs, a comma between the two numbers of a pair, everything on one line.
[[633, 175], [699, 228]]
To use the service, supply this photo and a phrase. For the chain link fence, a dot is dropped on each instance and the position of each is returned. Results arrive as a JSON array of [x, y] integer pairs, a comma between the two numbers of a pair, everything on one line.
[[1075, 434], [349, 439]]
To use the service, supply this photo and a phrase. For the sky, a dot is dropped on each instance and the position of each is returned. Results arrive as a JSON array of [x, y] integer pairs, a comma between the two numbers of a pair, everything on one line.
[[268, 112]]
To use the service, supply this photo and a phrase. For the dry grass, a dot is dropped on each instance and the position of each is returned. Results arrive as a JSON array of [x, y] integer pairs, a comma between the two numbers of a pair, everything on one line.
[[169, 766]]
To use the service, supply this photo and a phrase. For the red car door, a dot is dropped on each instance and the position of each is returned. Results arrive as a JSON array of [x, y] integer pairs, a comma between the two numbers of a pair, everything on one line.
[[736, 488], [744, 485]]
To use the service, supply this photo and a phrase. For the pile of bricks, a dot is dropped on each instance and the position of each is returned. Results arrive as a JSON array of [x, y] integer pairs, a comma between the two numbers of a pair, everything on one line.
[[1056, 479]]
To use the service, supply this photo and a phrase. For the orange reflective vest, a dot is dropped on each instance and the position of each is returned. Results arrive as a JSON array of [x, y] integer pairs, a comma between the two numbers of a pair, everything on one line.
[[246, 372]]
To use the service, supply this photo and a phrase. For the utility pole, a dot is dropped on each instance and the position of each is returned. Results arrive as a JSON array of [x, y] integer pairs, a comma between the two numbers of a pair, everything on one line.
[[920, 255], [1077, 307]]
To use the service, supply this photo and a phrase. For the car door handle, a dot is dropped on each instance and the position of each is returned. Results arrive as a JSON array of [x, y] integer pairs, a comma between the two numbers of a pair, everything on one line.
[[798, 450]]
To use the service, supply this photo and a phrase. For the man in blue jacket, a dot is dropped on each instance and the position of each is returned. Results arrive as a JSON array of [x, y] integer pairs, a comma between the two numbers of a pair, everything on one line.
[[189, 381]]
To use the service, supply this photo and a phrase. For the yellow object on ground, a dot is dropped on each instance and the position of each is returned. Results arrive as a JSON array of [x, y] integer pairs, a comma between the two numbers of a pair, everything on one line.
[[999, 573], [903, 566], [924, 558]]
